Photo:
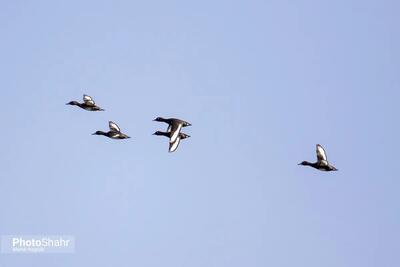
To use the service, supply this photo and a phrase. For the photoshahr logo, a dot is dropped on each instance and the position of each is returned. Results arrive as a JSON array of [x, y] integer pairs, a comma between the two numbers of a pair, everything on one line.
[[37, 244]]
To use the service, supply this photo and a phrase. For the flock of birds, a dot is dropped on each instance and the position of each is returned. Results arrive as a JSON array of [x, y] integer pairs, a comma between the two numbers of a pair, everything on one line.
[[173, 131], [175, 134]]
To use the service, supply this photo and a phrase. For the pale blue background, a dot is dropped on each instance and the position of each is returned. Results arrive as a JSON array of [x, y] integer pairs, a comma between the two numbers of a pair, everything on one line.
[[261, 81]]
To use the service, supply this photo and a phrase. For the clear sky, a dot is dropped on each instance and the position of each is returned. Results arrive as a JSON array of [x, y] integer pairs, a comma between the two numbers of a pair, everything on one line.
[[262, 82]]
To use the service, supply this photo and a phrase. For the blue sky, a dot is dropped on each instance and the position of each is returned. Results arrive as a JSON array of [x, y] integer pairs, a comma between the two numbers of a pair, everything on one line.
[[262, 82]]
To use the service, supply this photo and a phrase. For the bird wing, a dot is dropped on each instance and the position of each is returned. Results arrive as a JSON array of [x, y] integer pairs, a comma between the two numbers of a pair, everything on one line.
[[321, 155], [175, 130], [169, 128], [88, 100], [113, 126], [173, 146]]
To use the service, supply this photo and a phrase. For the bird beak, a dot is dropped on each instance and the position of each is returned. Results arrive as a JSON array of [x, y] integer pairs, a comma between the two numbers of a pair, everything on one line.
[[93, 133], [299, 164], [67, 104], [188, 136], [189, 124]]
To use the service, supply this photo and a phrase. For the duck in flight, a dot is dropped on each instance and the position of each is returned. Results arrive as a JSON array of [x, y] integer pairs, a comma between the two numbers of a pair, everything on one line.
[[172, 146], [114, 133], [88, 104], [322, 163], [175, 127]]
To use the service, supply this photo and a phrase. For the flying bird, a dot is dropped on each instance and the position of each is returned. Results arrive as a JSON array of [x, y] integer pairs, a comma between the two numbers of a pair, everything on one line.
[[175, 126], [88, 104], [322, 163], [114, 133], [172, 146]]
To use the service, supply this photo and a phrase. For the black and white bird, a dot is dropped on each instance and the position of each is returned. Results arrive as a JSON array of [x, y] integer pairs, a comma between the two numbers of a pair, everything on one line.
[[322, 163], [114, 133], [175, 126], [88, 104], [172, 146]]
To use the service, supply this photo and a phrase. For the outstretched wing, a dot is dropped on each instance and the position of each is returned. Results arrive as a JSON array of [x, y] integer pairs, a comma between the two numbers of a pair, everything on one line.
[[88, 100], [175, 130], [321, 155], [113, 126], [173, 146]]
